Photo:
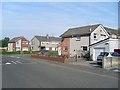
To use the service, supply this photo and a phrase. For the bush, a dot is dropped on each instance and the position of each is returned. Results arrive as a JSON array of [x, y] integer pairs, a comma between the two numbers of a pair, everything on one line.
[[89, 59], [53, 53], [18, 52]]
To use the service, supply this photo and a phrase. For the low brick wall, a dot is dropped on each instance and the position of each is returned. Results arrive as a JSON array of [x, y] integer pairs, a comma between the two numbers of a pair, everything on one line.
[[111, 62], [52, 58]]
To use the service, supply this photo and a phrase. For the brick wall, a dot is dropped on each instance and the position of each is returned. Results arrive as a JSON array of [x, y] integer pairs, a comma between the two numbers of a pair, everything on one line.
[[51, 58], [65, 43]]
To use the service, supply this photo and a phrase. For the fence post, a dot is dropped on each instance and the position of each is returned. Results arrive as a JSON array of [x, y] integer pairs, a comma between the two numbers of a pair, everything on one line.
[[111, 61]]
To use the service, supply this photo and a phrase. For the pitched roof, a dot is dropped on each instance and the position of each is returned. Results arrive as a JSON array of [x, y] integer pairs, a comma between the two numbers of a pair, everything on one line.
[[111, 31], [85, 30], [16, 39], [99, 42], [44, 38]]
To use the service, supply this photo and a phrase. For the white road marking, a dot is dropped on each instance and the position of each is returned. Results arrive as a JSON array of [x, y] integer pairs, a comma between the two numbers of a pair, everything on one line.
[[13, 62], [7, 63], [11, 56], [19, 62], [17, 57]]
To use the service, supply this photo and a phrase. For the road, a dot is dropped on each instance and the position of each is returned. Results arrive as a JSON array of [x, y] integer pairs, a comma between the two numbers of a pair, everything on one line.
[[22, 71]]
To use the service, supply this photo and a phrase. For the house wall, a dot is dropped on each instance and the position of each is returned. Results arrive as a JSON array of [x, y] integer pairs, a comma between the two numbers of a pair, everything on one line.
[[98, 46], [10, 47], [3, 49], [113, 44], [18, 45], [77, 45], [109, 46], [35, 44], [100, 32], [54, 45], [50, 45], [24, 44], [65, 43]]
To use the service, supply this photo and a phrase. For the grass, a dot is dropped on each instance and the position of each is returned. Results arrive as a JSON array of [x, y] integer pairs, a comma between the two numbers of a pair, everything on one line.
[[18, 52], [53, 53]]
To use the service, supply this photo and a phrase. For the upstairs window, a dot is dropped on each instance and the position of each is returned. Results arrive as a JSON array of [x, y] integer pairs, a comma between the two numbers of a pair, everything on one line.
[[25, 42], [78, 38], [17, 42], [102, 35], [95, 35]]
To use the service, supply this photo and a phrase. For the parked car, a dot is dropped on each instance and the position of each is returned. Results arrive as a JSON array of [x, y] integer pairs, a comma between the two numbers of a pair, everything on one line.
[[107, 54], [87, 55]]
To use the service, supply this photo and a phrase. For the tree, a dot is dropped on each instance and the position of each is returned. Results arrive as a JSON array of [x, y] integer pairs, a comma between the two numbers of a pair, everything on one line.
[[4, 42]]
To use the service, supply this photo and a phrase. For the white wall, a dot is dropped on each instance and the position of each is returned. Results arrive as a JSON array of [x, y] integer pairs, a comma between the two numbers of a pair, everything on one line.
[[59, 50], [109, 46], [99, 31], [53, 44], [10, 47], [18, 45], [25, 49], [113, 44]]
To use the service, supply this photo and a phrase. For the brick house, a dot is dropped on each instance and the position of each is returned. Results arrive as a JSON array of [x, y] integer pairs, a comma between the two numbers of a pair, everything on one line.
[[18, 44], [77, 40], [45, 42]]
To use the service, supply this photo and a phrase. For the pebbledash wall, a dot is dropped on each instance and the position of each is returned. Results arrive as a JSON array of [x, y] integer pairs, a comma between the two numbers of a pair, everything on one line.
[[77, 44], [109, 62]]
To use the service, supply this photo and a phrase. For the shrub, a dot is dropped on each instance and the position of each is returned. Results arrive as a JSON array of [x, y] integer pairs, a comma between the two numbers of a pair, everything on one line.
[[54, 53]]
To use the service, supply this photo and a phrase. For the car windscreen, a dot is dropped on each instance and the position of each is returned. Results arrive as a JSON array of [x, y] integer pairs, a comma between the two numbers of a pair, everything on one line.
[[104, 54]]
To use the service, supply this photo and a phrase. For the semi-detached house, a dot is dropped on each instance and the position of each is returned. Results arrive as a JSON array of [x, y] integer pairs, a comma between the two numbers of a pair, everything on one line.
[[18, 44], [77, 40], [45, 42]]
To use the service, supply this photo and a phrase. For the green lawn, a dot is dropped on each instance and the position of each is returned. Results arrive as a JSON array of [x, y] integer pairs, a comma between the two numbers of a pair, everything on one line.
[[53, 53], [25, 52]]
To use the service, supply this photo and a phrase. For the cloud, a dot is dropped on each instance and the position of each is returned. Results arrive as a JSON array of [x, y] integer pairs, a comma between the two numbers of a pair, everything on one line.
[[52, 18], [60, 0]]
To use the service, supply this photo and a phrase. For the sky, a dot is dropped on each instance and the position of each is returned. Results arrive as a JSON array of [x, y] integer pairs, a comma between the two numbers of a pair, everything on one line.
[[54, 18]]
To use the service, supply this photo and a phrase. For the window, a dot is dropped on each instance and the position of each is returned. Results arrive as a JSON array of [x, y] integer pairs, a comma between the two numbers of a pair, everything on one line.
[[100, 30], [84, 48], [78, 38], [17, 47], [17, 42], [65, 48], [95, 35], [102, 35], [24, 42]]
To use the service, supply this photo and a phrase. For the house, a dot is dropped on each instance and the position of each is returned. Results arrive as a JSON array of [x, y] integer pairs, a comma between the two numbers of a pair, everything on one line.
[[77, 40], [45, 42], [107, 45], [18, 44], [3, 49]]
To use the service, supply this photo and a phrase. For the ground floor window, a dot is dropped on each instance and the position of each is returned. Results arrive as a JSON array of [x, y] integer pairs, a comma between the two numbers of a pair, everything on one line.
[[65, 48], [84, 48]]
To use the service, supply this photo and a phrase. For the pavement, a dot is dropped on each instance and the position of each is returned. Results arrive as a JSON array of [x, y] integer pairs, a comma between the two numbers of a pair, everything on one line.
[[94, 64], [22, 71]]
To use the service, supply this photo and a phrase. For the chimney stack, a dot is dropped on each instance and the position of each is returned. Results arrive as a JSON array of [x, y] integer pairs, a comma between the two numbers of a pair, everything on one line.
[[47, 36]]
